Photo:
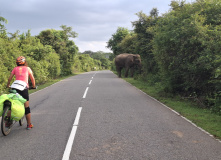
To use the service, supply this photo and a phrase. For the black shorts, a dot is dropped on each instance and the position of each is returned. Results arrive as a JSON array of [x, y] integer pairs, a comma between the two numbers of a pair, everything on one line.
[[23, 93]]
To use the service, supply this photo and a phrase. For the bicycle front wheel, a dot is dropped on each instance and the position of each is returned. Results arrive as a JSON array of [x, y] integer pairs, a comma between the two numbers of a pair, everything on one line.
[[6, 123]]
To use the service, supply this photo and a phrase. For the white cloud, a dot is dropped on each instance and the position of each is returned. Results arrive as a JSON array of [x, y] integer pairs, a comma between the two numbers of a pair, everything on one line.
[[92, 46], [94, 20]]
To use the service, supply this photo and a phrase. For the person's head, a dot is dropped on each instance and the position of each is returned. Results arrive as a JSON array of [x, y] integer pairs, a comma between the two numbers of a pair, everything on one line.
[[21, 61]]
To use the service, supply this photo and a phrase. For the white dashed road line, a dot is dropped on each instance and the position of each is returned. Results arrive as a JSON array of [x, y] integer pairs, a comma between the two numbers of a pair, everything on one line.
[[85, 93], [77, 116], [70, 142]]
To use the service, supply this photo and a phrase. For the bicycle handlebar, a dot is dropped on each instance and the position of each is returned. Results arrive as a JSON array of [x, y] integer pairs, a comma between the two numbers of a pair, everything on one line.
[[33, 87]]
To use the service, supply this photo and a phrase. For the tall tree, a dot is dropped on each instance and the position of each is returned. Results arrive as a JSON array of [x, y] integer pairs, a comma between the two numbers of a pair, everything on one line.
[[144, 28], [113, 43], [68, 33], [3, 33], [14, 35], [187, 48], [65, 48]]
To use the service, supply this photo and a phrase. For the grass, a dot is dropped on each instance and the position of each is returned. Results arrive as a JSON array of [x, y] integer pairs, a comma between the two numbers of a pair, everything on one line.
[[203, 118]]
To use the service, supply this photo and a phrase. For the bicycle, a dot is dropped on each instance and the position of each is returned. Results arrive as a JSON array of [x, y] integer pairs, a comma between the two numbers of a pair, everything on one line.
[[7, 122]]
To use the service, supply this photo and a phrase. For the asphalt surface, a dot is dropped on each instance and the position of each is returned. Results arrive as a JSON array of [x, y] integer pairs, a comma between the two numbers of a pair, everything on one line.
[[117, 122]]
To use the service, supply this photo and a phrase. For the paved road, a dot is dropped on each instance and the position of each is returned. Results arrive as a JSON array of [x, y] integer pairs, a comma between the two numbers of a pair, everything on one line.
[[116, 122]]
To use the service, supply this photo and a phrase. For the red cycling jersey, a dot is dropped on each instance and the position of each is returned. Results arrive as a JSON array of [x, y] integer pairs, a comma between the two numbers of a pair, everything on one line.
[[22, 73]]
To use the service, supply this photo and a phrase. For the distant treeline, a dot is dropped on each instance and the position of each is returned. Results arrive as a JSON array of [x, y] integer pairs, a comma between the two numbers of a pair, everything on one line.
[[104, 58], [50, 54], [180, 50]]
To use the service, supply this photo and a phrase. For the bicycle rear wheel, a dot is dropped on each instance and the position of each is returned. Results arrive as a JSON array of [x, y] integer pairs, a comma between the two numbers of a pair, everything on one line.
[[6, 123]]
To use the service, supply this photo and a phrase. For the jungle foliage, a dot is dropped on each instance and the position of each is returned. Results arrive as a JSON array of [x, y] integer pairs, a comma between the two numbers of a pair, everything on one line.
[[50, 54], [180, 50], [104, 58]]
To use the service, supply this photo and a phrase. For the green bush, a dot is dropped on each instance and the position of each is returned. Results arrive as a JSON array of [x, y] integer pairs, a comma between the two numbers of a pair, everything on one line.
[[180, 50], [84, 63]]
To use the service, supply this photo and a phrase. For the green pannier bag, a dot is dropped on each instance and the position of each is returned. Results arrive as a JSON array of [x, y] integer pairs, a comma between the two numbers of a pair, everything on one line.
[[2, 99], [17, 110], [17, 105]]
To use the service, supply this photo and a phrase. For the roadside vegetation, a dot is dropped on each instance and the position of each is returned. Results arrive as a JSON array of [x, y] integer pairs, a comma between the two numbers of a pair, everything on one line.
[[180, 52], [51, 54]]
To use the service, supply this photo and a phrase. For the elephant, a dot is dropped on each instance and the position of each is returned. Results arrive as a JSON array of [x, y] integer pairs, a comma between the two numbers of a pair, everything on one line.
[[128, 61]]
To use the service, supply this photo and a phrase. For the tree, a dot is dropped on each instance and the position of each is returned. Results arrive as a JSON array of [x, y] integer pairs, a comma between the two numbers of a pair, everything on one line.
[[144, 29], [65, 48], [187, 48], [116, 38], [2, 19], [68, 33], [129, 43], [14, 35], [3, 33], [88, 52], [154, 13], [100, 56]]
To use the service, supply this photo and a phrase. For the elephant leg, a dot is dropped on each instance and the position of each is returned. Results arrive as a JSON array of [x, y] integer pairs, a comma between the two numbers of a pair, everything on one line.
[[132, 72], [127, 70]]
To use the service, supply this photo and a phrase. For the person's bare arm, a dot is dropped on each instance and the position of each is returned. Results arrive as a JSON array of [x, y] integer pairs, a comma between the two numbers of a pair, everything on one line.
[[32, 78], [9, 80]]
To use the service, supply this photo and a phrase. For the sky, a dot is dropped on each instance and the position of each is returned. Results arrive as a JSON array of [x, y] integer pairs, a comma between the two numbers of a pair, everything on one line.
[[95, 21]]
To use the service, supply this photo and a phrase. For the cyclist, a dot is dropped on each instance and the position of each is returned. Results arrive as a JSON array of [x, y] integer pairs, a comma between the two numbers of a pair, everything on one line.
[[22, 73]]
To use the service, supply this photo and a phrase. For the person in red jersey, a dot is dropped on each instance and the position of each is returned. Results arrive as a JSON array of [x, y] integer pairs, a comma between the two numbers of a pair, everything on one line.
[[22, 73]]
